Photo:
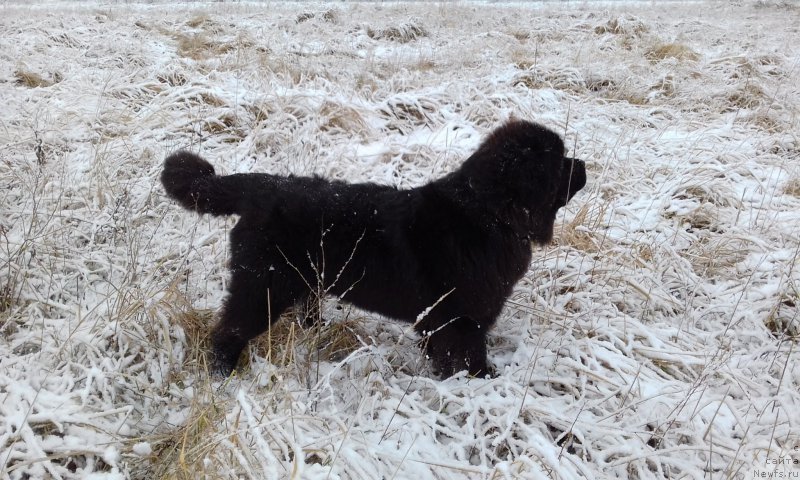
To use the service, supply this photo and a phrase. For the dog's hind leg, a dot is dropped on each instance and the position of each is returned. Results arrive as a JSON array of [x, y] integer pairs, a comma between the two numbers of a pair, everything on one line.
[[256, 299], [260, 290]]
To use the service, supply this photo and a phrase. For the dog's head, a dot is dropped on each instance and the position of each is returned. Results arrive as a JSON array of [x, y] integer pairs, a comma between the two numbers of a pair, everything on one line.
[[523, 170]]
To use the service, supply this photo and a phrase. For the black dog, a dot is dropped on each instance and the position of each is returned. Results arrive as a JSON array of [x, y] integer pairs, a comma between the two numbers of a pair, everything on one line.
[[444, 256]]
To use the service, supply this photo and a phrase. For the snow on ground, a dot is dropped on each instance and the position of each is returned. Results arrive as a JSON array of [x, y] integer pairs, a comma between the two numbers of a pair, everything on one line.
[[656, 338]]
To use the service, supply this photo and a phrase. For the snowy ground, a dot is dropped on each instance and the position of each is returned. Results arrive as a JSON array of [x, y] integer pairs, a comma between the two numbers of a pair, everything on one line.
[[656, 338]]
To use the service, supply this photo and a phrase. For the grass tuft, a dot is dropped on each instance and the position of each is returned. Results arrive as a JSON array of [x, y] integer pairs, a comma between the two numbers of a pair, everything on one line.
[[671, 50], [792, 187], [30, 79], [783, 321], [331, 15], [565, 79], [173, 78], [336, 117], [584, 232], [521, 35], [195, 46], [717, 256], [300, 340], [198, 21], [409, 110], [185, 452], [303, 17], [7, 296], [403, 33], [748, 96], [624, 25]]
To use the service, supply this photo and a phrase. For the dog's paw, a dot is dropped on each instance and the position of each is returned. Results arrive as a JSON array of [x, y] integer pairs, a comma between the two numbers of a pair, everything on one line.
[[446, 366], [222, 363], [456, 346]]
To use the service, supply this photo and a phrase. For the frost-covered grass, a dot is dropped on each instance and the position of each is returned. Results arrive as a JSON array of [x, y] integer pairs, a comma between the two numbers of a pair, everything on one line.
[[656, 338]]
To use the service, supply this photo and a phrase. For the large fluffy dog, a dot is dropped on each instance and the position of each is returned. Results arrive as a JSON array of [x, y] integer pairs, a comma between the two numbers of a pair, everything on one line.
[[445, 255]]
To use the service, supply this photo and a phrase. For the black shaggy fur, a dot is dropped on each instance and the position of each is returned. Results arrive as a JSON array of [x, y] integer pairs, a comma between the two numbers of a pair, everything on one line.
[[462, 241]]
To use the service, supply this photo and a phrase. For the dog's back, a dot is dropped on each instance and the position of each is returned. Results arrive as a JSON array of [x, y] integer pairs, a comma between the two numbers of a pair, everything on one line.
[[193, 182]]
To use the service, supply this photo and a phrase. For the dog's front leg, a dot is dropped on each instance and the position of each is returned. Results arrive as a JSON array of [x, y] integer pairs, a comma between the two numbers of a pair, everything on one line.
[[244, 316], [456, 344]]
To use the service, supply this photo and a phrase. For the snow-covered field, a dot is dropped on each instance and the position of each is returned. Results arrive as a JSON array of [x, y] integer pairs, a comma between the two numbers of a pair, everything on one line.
[[656, 338]]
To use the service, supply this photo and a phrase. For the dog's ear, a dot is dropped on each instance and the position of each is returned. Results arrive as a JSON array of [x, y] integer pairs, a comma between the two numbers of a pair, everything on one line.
[[532, 157], [522, 144], [520, 162]]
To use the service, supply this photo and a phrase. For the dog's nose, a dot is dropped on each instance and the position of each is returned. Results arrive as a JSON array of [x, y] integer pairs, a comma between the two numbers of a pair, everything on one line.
[[577, 178], [578, 175]]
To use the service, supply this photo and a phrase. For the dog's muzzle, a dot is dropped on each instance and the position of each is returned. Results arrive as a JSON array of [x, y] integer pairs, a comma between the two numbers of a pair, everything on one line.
[[576, 179]]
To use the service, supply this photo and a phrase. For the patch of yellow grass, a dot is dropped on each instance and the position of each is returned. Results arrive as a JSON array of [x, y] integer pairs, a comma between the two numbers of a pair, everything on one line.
[[671, 50], [196, 47], [749, 96], [198, 20], [521, 35], [713, 255], [584, 232], [337, 117], [300, 339], [403, 33], [792, 187], [184, 451], [30, 79], [625, 25]]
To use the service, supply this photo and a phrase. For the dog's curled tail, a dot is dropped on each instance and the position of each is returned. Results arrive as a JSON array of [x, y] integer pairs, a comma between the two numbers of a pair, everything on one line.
[[191, 181]]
